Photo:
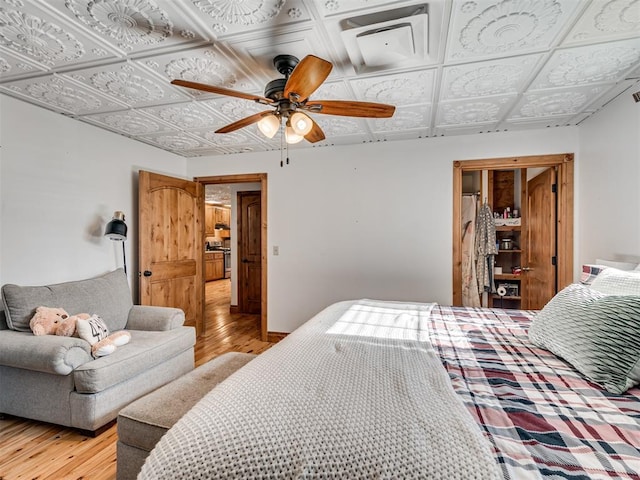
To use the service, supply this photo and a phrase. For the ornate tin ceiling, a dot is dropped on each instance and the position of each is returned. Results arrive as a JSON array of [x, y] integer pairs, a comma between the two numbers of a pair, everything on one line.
[[450, 66]]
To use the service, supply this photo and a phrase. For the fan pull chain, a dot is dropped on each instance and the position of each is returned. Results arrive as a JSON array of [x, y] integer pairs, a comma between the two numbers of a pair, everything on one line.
[[282, 143]]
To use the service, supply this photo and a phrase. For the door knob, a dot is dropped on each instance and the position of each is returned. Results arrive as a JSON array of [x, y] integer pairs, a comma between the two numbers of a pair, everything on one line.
[[245, 260], [525, 269], [147, 273]]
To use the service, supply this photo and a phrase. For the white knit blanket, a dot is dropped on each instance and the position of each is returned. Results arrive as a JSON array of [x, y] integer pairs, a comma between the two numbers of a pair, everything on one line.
[[355, 393]]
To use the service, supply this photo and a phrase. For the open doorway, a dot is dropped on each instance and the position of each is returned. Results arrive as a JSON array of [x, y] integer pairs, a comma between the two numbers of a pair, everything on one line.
[[233, 238], [535, 246]]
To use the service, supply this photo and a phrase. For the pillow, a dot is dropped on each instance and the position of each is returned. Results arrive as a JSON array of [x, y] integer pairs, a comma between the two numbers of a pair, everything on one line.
[[616, 282], [590, 272], [619, 265], [93, 329], [596, 333]]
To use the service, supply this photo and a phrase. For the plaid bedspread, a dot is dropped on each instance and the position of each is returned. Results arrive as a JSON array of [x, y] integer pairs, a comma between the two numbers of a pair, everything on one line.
[[542, 417]]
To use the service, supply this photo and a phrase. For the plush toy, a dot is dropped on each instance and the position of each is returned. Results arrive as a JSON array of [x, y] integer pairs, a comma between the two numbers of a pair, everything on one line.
[[46, 320], [56, 321], [95, 331]]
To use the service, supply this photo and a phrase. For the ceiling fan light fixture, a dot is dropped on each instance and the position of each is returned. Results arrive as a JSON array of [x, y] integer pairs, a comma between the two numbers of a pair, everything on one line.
[[269, 125], [301, 123], [290, 135]]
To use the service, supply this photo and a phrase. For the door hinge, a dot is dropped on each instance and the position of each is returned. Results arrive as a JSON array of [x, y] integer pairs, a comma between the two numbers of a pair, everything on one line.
[[554, 188], [554, 260]]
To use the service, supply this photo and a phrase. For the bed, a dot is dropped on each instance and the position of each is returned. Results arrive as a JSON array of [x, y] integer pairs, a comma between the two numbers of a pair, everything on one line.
[[371, 389]]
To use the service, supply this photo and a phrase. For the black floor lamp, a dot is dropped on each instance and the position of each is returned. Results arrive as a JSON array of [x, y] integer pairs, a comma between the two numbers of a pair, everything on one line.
[[116, 230]]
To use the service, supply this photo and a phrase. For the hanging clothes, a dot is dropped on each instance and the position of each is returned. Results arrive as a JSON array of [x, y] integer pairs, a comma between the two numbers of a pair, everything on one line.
[[485, 248], [470, 294]]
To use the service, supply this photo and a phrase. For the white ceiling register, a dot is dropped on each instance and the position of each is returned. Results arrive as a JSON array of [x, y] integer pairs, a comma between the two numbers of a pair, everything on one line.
[[449, 67]]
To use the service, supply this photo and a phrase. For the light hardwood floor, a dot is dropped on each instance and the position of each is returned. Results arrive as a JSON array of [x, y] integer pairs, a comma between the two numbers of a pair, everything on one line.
[[33, 450]]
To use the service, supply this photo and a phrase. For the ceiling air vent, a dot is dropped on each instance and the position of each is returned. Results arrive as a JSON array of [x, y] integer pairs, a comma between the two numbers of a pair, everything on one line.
[[389, 39]]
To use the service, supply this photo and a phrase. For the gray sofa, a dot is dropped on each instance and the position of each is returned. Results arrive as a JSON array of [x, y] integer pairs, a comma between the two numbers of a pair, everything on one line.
[[55, 379]]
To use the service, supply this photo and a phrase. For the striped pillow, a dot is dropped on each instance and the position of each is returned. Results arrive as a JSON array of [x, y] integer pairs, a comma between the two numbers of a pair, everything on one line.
[[590, 272], [598, 334]]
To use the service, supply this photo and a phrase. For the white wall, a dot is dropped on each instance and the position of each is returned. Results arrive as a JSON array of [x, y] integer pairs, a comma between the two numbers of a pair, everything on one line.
[[610, 182], [370, 220], [60, 182]]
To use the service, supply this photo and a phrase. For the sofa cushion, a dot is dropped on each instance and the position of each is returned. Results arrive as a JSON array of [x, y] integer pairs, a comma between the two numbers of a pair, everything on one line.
[[107, 295], [143, 352]]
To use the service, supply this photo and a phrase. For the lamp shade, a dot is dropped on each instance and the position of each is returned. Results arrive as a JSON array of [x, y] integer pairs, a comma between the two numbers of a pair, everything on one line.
[[301, 123], [269, 125], [116, 229]]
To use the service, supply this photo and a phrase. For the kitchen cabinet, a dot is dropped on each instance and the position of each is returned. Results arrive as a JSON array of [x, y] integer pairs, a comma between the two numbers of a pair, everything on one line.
[[222, 216], [209, 220], [213, 266]]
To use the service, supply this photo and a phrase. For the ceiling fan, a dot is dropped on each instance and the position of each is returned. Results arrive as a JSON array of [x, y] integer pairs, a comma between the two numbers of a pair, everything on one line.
[[290, 97]]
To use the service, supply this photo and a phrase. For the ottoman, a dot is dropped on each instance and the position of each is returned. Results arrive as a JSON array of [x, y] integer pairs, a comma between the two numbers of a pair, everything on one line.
[[142, 423]]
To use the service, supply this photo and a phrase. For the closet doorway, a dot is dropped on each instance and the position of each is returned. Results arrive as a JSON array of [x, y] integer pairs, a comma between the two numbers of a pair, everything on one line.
[[539, 242]]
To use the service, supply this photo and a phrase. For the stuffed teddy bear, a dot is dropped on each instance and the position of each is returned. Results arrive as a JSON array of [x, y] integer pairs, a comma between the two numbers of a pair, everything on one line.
[[56, 321], [47, 320]]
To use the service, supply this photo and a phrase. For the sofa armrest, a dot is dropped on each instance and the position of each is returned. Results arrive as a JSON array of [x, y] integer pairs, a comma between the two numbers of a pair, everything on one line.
[[150, 318], [43, 353]]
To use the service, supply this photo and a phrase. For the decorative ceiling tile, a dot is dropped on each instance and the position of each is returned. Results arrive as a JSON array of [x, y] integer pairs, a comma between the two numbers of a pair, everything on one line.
[[332, 91], [405, 118], [557, 121], [210, 65], [41, 37], [336, 7], [400, 89], [557, 102], [129, 122], [134, 26], [603, 63], [233, 109], [187, 116], [59, 94], [13, 66], [487, 65], [495, 77], [227, 17], [607, 20], [175, 142], [334, 126], [258, 52], [473, 111], [130, 84], [484, 29], [237, 138]]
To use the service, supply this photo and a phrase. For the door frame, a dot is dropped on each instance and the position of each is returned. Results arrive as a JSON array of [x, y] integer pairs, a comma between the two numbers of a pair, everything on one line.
[[563, 163], [251, 178]]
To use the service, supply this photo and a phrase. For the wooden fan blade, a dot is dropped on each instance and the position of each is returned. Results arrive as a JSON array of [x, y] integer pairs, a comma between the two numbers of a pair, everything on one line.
[[349, 108], [316, 134], [221, 91], [306, 78], [244, 122]]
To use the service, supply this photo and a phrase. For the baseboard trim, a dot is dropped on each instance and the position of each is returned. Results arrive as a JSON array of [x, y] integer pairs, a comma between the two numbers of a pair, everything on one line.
[[275, 337], [234, 309]]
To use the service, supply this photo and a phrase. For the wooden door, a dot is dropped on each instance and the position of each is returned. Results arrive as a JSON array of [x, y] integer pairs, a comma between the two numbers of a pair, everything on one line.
[[171, 244], [249, 252], [539, 269]]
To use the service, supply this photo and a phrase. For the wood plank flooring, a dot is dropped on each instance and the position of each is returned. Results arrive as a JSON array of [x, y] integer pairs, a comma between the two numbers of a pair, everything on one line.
[[34, 450]]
